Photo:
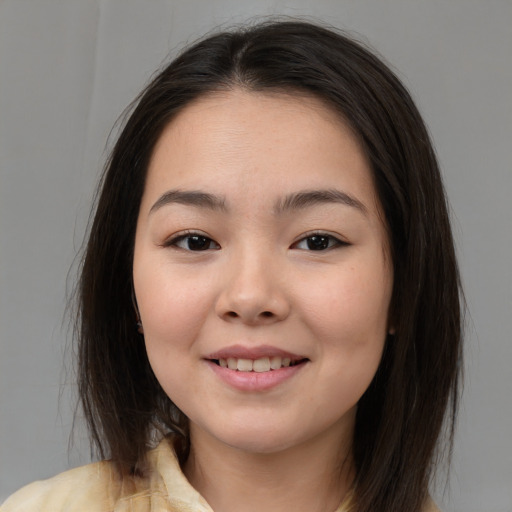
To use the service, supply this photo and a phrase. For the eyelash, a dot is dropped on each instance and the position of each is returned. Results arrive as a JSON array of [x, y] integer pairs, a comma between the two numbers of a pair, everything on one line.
[[311, 238], [332, 241], [190, 235]]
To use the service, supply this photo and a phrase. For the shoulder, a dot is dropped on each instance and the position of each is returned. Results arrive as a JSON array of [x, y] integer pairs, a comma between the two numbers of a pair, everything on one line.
[[348, 504], [430, 506], [91, 487], [98, 487]]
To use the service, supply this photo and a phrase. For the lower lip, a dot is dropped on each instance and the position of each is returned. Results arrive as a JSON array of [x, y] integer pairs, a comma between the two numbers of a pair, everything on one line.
[[255, 381]]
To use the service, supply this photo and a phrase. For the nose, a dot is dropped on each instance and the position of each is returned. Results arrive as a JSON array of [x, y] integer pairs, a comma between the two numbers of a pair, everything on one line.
[[253, 292]]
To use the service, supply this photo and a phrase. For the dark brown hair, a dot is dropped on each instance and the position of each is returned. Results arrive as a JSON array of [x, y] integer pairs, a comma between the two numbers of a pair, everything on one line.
[[401, 415]]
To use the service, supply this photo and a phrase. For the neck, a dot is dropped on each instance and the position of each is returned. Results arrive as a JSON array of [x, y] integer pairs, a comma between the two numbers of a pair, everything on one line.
[[314, 476]]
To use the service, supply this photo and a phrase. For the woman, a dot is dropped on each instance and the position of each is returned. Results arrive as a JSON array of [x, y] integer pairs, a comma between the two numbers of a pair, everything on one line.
[[269, 293]]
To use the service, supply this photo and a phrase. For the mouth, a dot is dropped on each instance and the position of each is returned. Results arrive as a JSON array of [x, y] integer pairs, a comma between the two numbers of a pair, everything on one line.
[[257, 368], [260, 365]]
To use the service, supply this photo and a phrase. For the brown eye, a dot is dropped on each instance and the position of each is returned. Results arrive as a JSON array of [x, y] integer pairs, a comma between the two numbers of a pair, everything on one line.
[[318, 242], [198, 243], [193, 242]]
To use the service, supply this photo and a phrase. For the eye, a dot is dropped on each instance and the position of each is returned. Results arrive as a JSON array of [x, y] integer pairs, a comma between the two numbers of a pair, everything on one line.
[[318, 242], [192, 242]]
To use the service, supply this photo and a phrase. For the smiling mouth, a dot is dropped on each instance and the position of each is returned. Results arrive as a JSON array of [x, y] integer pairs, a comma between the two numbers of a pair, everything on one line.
[[263, 364]]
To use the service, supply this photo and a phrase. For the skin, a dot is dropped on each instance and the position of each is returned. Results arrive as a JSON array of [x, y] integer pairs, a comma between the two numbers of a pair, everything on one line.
[[258, 283]]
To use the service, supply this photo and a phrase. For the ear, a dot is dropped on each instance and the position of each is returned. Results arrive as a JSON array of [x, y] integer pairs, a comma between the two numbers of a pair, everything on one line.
[[140, 328]]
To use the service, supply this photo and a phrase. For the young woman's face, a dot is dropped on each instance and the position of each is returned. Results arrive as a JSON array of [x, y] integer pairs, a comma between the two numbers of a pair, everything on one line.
[[261, 270]]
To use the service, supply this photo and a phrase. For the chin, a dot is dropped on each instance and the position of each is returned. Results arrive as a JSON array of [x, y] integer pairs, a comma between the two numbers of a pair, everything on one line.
[[260, 444], [262, 439]]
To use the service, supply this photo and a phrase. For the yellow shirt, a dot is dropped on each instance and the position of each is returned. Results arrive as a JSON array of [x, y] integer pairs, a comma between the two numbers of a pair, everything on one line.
[[97, 488]]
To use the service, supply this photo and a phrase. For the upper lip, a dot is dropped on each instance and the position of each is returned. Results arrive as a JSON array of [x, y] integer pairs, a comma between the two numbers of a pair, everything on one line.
[[242, 352]]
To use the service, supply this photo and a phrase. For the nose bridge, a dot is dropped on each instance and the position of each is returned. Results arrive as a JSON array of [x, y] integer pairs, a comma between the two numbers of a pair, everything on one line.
[[251, 290]]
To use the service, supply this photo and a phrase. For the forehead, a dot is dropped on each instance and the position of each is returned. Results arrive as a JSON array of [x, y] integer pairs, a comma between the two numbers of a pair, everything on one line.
[[235, 114], [258, 144]]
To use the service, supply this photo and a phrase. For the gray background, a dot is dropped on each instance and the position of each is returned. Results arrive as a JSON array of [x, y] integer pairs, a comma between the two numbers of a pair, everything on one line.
[[67, 70]]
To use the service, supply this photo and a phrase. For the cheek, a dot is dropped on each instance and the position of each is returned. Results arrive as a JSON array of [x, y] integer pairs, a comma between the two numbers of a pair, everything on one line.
[[352, 326], [162, 292], [172, 316], [348, 315], [172, 307], [350, 301]]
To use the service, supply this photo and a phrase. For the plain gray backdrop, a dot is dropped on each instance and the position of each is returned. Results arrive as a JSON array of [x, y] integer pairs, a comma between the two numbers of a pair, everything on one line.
[[67, 70]]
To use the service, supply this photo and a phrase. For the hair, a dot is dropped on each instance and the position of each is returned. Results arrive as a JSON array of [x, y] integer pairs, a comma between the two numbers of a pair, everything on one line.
[[414, 394]]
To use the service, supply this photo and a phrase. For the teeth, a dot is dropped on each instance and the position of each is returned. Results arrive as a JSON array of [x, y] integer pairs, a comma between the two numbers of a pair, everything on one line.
[[244, 365], [275, 362], [261, 365], [264, 364]]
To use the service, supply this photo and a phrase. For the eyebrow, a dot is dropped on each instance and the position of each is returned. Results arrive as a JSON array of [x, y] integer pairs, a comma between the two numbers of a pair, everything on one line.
[[309, 198], [294, 201], [190, 198]]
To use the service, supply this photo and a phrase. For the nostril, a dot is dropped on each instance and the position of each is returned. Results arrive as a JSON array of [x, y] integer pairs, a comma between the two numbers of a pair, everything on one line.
[[267, 314], [232, 314]]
